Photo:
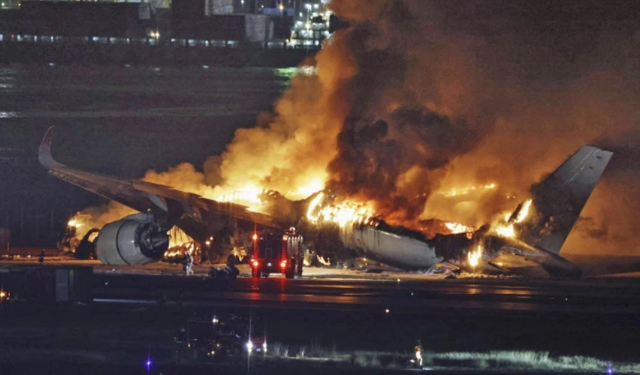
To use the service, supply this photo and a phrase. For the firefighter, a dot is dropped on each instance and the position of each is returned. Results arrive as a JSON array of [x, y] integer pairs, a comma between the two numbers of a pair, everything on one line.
[[187, 264], [41, 258], [418, 353]]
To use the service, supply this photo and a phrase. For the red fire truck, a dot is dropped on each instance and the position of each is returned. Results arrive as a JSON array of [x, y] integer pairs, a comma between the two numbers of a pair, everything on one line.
[[274, 252]]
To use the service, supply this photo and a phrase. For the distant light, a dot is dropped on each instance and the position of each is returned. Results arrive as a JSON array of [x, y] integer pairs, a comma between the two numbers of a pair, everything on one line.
[[148, 362], [249, 346], [386, 311]]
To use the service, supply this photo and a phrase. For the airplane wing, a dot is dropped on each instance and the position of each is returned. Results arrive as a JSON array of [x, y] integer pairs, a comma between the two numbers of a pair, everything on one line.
[[142, 195]]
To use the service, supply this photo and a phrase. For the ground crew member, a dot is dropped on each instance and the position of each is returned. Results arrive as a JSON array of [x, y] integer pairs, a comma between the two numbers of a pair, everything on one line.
[[41, 258], [418, 353]]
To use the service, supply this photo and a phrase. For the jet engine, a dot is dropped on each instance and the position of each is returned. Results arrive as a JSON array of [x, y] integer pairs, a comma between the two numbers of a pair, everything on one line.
[[136, 239]]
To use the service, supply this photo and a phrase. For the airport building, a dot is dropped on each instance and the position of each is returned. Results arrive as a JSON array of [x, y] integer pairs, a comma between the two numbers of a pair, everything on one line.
[[226, 22]]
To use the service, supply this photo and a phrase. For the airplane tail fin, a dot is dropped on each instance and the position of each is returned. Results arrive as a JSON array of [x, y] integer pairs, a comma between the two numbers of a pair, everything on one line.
[[558, 200]]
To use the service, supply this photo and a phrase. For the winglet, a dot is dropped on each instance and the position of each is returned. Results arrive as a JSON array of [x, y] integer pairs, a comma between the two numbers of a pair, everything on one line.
[[44, 153]]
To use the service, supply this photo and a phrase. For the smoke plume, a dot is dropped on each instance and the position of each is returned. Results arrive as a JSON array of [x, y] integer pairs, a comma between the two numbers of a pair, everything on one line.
[[450, 109]]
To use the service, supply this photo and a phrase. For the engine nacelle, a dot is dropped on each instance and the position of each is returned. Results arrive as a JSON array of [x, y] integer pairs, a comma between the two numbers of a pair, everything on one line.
[[136, 239]]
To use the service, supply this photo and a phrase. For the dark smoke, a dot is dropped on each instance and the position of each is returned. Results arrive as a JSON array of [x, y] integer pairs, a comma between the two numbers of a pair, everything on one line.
[[370, 161], [418, 98], [403, 129], [514, 87]]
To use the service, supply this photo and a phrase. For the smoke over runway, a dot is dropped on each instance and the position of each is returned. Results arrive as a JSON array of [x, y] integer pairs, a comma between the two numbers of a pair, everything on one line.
[[417, 99]]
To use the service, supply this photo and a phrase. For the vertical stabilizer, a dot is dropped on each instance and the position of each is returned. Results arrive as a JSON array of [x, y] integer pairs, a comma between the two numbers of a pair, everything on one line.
[[559, 199]]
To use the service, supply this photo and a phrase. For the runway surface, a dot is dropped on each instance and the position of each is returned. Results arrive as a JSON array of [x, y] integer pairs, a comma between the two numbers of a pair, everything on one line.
[[401, 296], [355, 312]]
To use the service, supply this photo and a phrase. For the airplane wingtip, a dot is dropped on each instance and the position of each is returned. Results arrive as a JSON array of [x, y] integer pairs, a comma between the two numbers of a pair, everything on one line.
[[44, 153]]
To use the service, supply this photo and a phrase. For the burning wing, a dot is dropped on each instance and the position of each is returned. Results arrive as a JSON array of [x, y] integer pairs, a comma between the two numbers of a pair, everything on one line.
[[145, 196]]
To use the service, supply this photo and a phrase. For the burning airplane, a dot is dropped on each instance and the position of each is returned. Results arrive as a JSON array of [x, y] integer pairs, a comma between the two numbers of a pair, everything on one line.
[[533, 234]]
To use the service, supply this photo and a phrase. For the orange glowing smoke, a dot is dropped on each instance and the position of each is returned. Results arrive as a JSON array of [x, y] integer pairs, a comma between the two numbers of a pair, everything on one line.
[[413, 104]]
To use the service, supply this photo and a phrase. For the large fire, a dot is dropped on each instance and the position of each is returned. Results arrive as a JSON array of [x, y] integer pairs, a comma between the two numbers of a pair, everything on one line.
[[469, 190], [474, 256], [323, 210], [456, 228], [507, 228], [249, 196]]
